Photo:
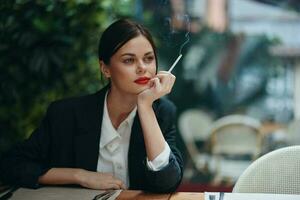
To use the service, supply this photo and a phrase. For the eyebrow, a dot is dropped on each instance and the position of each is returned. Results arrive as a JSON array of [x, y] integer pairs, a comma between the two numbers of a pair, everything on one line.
[[150, 52], [131, 54]]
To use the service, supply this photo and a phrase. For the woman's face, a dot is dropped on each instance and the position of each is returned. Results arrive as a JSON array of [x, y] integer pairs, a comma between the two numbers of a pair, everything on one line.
[[132, 66]]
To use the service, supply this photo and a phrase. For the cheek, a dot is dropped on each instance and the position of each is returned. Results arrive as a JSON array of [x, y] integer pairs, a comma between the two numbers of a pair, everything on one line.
[[122, 73], [153, 69]]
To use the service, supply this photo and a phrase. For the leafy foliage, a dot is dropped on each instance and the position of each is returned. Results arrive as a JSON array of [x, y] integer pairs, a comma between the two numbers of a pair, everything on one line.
[[47, 51]]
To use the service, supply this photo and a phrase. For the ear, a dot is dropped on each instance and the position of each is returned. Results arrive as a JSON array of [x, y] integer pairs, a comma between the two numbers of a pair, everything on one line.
[[104, 69]]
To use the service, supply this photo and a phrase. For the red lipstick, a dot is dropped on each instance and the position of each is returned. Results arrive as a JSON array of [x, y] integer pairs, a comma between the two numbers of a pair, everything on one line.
[[142, 80]]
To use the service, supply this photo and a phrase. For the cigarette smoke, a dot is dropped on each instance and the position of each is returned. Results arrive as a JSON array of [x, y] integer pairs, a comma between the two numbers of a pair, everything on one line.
[[171, 35]]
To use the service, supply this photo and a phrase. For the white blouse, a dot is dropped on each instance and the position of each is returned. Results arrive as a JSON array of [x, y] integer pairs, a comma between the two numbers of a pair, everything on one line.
[[114, 145]]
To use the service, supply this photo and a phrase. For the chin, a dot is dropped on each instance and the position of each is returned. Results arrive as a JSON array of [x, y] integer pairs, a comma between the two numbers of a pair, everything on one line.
[[134, 89], [141, 88]]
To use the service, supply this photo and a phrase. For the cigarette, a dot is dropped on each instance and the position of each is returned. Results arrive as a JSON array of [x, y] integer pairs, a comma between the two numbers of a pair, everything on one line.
[[176, 61]]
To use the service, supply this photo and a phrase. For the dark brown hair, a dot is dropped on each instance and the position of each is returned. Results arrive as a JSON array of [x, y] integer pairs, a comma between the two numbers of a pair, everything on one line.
[[117, 34]]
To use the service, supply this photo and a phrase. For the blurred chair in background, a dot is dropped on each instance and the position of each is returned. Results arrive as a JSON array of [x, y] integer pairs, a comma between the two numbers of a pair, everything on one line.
[[276, 172], [293, 132], [193, 126], [235, 141]]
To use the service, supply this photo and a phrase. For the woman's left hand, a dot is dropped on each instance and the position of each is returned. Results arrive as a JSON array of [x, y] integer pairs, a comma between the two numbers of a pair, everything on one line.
[[159, 86]]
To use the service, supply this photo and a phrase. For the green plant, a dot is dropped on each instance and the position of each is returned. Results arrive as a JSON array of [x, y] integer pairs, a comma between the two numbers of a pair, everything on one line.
[[47, 52]]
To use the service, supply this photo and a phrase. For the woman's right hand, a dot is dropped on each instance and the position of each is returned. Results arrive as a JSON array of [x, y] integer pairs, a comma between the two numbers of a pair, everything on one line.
[[159, 86], [98, 180]]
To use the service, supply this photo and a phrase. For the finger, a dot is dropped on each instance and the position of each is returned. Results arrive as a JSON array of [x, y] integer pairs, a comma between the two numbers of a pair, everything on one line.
[[119, 183], [162, 78], [163, 72], [167, 80], [166, 75], [157, 84], [172, 80], [113, 186], [154, 81], [151, 82], [123, 186]]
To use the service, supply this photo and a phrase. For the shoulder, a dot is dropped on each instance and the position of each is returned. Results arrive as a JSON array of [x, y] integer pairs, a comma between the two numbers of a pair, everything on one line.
[[69, 103], [79, 103]]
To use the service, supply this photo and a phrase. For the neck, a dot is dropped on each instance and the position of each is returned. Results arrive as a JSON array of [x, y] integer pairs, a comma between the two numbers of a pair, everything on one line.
[[119, 107]]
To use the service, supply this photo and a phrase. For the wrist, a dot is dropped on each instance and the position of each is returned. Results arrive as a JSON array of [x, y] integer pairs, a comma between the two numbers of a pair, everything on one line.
[[79, 176], [142, 105], [144, 100]]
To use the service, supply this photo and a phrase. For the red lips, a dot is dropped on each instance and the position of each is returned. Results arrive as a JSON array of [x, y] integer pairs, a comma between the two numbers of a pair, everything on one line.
[[142, 80]]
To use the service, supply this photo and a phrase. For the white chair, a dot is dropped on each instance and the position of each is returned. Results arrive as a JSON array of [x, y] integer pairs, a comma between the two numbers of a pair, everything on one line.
[[193, 126], [293, 132], [275, 172], [235, 143]]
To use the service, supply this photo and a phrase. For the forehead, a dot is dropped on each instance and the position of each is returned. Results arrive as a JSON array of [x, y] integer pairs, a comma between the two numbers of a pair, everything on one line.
[[139, 44]]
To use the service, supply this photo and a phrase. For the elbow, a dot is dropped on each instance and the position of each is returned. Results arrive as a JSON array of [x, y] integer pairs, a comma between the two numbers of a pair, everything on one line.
[[166, 180]]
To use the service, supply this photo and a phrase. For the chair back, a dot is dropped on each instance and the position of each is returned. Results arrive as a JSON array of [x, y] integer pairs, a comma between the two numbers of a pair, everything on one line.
[[235, 135], [235, 141], [193, 126], [293, 132], [276, 172]]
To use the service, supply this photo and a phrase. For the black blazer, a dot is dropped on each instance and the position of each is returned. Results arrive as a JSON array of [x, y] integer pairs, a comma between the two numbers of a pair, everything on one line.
[[69, 136]]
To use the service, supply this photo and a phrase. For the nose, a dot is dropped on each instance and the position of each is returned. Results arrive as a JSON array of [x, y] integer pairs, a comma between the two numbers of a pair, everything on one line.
[[141, 67]]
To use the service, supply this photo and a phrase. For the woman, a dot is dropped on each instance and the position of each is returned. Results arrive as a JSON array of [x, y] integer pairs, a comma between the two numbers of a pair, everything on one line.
[[120, 137]]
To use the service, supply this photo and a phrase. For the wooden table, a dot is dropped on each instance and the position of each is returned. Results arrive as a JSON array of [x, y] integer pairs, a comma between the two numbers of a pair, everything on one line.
[[187, 196], [65, 193], [139, 195]]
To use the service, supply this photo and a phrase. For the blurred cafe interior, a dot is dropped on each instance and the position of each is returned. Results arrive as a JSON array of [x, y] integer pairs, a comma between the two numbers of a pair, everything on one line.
[[238, 86]]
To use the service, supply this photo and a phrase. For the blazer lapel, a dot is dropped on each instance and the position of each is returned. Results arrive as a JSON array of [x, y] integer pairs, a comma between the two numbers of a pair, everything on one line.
[[136, 155], [86, 141]]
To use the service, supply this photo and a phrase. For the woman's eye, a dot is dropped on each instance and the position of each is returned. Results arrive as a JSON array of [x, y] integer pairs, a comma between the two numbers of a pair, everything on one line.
[[128, 60], [148, 59]]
